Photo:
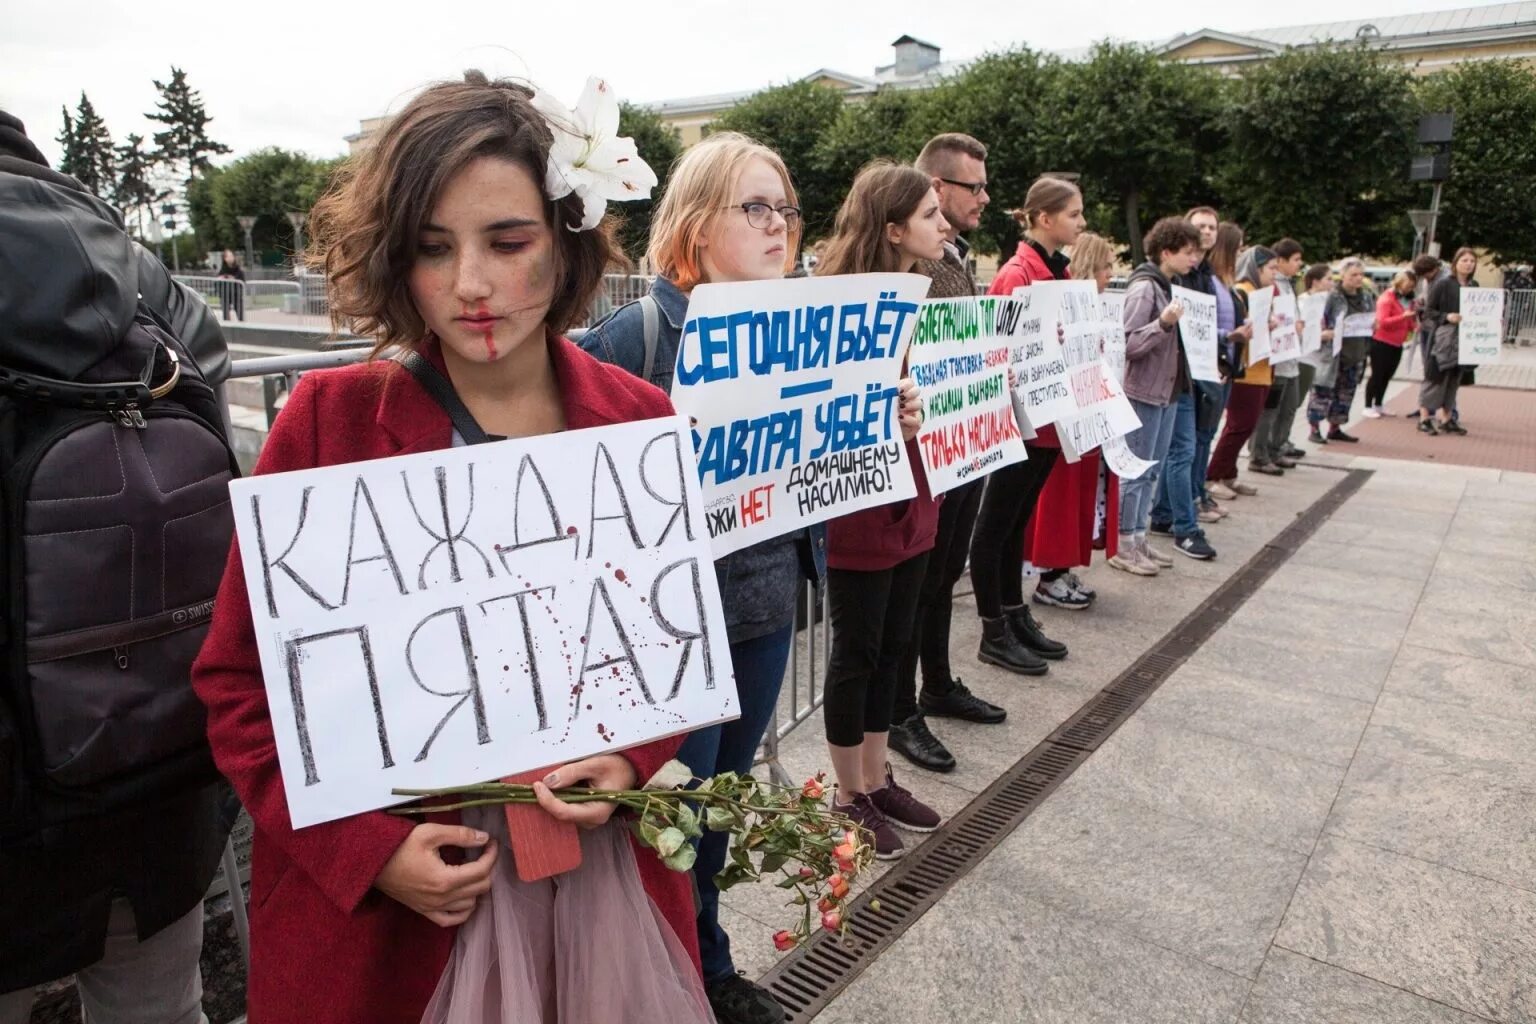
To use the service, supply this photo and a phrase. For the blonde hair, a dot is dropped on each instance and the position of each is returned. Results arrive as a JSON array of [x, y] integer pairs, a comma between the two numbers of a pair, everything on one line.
[[699, 191], [1089, 253], [1404, 278]]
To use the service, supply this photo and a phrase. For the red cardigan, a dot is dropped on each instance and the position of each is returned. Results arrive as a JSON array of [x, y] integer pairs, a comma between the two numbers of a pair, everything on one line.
[[1394, 318], [325, 945], [1025, 268]]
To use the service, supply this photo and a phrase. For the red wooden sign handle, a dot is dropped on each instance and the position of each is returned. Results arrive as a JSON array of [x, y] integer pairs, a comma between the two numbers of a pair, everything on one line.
[[541, 846]]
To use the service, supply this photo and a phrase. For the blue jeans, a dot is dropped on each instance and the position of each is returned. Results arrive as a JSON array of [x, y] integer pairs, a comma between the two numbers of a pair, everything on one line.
[[1149, 441], [1203, 441], [731, 747], [1175, 493]]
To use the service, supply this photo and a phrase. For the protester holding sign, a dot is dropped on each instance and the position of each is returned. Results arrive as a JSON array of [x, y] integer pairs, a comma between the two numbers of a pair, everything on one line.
[[876, 558], [1316, 336], [1059, 535], [1156, 373], [957, 164], [1350, 315], [463, 235], [729, 214], [1396, 319], [1272, 437], [1442, 371], [1214, 276], [1051, 219], [1255, 281]]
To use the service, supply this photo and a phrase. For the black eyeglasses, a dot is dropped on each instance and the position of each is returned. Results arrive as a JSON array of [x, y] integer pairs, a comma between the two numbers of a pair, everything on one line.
[[975, 188], [760, 215]]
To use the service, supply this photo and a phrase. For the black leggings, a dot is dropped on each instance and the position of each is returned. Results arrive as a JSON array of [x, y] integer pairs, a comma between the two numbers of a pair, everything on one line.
[[935, 605], [871, 627], [997, 546], [1384, 360]]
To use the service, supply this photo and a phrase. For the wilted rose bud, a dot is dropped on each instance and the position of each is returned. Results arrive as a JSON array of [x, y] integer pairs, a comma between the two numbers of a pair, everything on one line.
[[807, 872], [846, 851], [838, 886], [825, 904], [783, 941], [813, 789], [832, 920]]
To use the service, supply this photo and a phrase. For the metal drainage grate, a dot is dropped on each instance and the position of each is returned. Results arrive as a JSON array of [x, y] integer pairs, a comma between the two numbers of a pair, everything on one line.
[[811, 977]]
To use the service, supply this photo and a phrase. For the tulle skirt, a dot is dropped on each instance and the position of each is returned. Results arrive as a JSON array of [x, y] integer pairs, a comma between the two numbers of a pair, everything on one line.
[[585, 947]]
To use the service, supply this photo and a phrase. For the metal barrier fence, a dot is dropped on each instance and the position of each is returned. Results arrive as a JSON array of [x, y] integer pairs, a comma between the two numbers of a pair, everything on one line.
[[1520, 317]]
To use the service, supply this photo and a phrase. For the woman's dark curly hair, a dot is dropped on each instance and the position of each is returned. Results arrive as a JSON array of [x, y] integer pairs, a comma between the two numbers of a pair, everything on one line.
[[364, 230]]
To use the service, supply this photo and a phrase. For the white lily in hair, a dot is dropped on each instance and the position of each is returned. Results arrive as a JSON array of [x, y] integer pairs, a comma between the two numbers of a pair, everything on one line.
[[589, 157]]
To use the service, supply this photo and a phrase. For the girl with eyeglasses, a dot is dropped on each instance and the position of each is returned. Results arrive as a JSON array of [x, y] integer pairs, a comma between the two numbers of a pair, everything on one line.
[[729, 213], [876, 557]]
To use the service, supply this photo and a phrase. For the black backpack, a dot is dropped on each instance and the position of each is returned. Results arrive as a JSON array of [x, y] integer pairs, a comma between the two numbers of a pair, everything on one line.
[[114, 506]]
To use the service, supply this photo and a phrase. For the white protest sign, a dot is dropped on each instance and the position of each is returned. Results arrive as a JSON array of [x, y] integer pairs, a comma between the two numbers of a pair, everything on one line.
[[1311, 308], [1103, 411], [1480, 335], [1259, 302], [792, 385], [1285, 342], [1197, 329], [1040, 388], [960, 362], [1112, 314], [1123, 462], [457, 616], [1353, 325]]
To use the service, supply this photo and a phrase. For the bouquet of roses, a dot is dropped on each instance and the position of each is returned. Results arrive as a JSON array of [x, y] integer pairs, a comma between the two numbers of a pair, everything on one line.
[[776, 831]]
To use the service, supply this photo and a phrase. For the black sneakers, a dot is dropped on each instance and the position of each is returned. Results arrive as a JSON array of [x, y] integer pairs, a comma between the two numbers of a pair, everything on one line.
[[959, 702], [1453, 427], [736, 1000], [1337, 434], [1000, 647], [1428, 427], [1196, 547], [914, 741], [1022, 621]]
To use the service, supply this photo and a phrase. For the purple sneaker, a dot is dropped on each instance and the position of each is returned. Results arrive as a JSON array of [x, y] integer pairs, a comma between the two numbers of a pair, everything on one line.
[[888, 845], [901, 808]]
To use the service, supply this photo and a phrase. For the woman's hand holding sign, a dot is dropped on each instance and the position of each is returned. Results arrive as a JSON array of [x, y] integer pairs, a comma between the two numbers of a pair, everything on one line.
[[417, 876], [910, 409], [1171, 314]]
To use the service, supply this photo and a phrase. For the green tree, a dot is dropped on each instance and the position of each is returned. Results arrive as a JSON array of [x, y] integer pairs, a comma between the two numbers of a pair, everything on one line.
[[880, 126], [69, 143], [1003, 100], [659, 146], [94, 160], [266, 184], [1320, 142], [184, 145], [791, 119], [1490, 199], [1134, 126], [133, 191]]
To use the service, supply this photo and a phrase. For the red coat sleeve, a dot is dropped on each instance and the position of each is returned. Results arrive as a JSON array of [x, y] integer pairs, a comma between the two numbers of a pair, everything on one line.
[[342, 857]]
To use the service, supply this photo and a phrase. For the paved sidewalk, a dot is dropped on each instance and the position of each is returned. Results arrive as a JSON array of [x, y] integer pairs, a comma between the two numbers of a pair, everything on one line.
[[1327, 814]]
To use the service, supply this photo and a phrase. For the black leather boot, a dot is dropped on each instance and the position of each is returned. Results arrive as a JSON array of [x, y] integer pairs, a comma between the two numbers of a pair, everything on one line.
[[1027, 630], [1001, 648]]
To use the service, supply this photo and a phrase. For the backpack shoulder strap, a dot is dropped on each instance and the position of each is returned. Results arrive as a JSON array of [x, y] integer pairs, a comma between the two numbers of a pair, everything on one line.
[[650, 312], [436, 385]]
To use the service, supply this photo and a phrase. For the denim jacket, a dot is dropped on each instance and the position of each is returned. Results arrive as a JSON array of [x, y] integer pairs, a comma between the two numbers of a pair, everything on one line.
[[744, 588]]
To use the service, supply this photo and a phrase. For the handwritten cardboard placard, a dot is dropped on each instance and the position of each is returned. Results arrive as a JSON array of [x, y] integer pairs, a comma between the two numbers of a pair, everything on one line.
[[1260, 301], [1311, 308], [1480, 337], [1353, 325], [1285, 341], [960, 362], [457, 616], [1123, 462], [1112, 316], [792, 385], [1103, 411], [1197, 330], [1042, 394]]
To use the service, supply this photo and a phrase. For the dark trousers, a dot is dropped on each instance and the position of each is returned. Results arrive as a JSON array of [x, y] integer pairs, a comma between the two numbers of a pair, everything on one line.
[[997, 545], [872, 616], [1244, 408], [1384, 361], [935, 604], [732, 747], [231, 294]]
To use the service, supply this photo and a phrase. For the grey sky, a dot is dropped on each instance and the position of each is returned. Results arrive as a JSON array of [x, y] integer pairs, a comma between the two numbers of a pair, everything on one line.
[[302, 75]]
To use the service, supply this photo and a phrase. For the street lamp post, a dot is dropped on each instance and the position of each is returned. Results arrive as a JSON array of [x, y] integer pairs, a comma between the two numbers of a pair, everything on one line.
[[297, 220], [168, 210], [246, 224]]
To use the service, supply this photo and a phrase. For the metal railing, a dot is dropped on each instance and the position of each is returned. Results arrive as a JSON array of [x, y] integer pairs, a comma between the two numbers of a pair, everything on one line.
[[1520, 317]]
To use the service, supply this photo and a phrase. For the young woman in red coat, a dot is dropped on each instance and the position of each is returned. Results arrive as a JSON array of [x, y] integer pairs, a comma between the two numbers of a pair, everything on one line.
[[876, 557], [1052, 218], [441, 238]]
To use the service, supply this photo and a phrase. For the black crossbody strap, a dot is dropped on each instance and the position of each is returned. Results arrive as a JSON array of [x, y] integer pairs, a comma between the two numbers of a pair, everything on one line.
[[442, 392]]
